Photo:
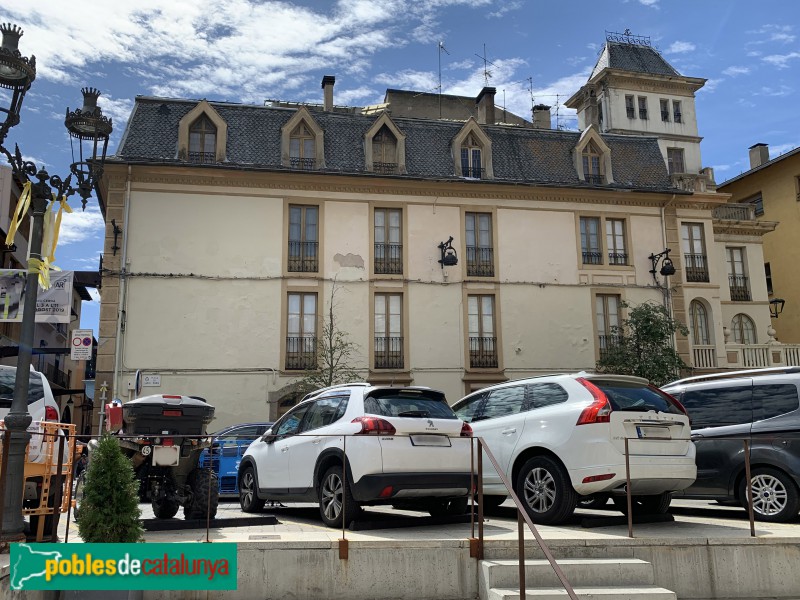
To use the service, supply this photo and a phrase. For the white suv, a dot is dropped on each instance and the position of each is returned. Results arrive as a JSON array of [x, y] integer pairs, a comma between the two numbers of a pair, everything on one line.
[[404, 447], [41, 403], [561, 440]]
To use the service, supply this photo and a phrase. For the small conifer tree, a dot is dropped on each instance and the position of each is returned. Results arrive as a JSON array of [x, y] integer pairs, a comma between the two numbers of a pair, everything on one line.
[[109, 509]]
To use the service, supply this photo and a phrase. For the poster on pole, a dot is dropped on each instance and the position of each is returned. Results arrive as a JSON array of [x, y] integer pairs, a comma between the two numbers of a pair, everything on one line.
[[81, 344], [53, 305]]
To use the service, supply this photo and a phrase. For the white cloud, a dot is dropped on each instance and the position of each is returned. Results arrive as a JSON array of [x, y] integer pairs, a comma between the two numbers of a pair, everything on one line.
[[712, 84], [467, 63], [505, 8], [347, 97], [778, 149], [680, 47], [781, 60], [782, 90], [773, 33], [81, 225], [721, 167], [650, 3], [733, 71]]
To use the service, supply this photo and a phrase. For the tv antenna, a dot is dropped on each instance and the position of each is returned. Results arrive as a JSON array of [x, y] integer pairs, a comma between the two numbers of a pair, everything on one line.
[[487, 74], [441, 49]]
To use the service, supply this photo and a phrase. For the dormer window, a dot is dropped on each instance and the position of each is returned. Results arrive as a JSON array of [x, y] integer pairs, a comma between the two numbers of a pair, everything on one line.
[[592, 158], [592, 172], [202, 135], [202, 141], [384, 151], [302, 148], [471, 157]]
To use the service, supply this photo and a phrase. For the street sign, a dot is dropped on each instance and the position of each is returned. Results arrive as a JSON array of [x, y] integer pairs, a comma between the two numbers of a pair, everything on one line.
[[81, 344], [151, 381]]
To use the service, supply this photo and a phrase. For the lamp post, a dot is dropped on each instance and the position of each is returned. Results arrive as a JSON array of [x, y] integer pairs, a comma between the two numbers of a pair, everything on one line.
[[91, 130]]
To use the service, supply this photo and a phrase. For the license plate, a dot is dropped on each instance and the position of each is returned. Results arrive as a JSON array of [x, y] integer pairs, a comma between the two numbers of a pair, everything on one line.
[[430, 440], [653, 432], [166, 456]]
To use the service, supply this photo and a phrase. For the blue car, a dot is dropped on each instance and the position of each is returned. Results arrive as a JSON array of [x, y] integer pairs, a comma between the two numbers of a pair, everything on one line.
[[227, 448]]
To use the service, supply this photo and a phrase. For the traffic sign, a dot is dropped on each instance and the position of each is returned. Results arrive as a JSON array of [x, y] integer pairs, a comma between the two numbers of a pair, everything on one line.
[[81, 344]]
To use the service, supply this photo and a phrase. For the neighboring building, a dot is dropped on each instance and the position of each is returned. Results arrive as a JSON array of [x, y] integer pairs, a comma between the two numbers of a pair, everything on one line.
[[237, 221], [770, 191]]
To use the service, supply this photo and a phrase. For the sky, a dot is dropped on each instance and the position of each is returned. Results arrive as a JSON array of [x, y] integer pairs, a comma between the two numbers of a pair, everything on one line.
[[252, 51]]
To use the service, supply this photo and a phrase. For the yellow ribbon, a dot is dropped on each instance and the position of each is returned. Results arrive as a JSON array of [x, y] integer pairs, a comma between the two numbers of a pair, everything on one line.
[[19, 212], [63, 206]]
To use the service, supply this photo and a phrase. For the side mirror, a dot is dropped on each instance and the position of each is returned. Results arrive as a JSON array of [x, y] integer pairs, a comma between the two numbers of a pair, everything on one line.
[[268, 438]]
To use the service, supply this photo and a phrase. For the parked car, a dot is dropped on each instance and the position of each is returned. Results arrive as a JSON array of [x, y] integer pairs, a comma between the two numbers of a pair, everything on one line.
[[762, 406], [41, 403], [228, 445], [560, 440], [404, 447]]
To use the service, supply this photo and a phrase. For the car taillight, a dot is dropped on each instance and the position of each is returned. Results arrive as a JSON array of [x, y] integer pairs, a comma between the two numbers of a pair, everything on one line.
[[167, 442], [171, 413], [599, 411], [374, 426], [466, 430], [671, 398], [50, 414]]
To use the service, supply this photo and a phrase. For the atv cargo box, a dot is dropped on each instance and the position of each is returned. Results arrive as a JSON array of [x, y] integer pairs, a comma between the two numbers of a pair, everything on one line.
[[166, 415]]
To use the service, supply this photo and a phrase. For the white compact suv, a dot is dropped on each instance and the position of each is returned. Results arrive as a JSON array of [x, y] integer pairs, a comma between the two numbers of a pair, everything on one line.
[[403, 446], [561, 439], [41, 403]]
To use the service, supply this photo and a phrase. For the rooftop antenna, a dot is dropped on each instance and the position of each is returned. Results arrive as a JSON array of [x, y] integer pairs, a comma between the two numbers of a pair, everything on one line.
[[530, 90], [441, 49], [486, 72]]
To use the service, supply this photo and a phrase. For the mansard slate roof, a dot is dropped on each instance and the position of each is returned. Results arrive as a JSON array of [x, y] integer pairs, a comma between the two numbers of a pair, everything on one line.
[[519, 155], [633, 57]]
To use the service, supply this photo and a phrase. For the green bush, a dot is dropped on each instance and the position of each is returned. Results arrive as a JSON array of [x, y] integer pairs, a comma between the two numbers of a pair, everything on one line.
[[109, 510]]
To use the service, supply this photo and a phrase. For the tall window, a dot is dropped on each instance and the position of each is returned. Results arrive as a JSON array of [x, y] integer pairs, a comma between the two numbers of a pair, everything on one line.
[[694, 252], [675, 160], [202, 141], [737, 279], [607, 320], [615, 242], [303, 239], [591, 164], [699, 323], [768, 276], [384, 151], [643, 107], [471, 157], [301, 332], [590, 241], [629, 107], [758, 204], [744, 330], [388, 348], [482, 337], [480, 253], [388, 241], [677, 114], [664, 110], [302, 148]]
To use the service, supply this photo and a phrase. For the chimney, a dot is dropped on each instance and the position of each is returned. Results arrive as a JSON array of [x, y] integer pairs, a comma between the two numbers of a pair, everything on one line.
[[759, 154], [485, 102], [541, 116], [327, 85]]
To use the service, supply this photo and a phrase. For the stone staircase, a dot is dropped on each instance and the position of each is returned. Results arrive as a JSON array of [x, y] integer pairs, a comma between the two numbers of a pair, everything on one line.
[[591, 578]]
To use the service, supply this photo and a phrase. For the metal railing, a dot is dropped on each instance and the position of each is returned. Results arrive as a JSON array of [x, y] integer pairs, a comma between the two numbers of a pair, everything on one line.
[[483, 352], [734, 212], [202, 157], [740, 288], [473, 172], [593, 179], [643, 114], [303, 257], [607, 341], [618, 258], [696, 266], [305, 164], [678, 117], [388, 259], [665, 115], [480, 261], [631, 112], [592, 257], [384, 168], [388, 353], [301, 353]]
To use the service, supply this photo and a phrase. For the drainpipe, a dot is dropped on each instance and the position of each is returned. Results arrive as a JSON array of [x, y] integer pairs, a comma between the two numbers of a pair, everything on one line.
[[122, 286]]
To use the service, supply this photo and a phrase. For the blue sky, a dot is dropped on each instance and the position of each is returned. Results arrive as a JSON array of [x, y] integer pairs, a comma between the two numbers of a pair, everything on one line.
[[250, 51]]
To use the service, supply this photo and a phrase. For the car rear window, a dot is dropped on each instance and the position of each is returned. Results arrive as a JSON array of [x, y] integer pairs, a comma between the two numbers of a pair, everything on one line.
[[35, 387], [628, 395], [408, 403]]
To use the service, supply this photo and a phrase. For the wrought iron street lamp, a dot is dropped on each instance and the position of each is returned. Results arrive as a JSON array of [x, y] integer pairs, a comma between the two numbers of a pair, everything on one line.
[[91, 130], [776, 307]]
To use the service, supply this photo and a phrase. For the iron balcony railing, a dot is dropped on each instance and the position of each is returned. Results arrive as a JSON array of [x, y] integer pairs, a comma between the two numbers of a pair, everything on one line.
[[306, 164], [740, 288], [385, 168], [480, 261], [389, 259], [678, 117], [608, 341], [643, 113], [202, 157], [665, 115], [303, 257], [593, 179], [696, 267], [618, 258], [388, 353], [734, 212], [631, 112], [301, 353], [592, 258], [483, 352], [474, 172]]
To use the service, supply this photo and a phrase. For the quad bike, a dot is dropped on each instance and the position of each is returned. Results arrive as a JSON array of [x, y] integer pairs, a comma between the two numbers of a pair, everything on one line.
[[151, 433]]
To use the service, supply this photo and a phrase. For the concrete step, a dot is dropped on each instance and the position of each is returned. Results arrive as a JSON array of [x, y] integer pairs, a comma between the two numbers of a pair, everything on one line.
[[579, 572], [647, 592]]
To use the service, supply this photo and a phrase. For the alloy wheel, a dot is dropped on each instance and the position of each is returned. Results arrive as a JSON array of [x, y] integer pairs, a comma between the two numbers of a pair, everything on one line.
[[247, 488], [769, 494], [331, 499], [540, 490]]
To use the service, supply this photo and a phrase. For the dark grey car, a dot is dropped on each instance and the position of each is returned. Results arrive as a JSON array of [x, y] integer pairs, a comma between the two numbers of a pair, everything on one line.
[[762, 406]]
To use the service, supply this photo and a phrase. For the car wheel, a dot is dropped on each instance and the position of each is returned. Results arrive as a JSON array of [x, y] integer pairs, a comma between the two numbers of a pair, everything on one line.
[[205, 495], [657, 504], [775, 496], [77, 493], [545, 490], [335, 498], [593, 501], [165, 508], [248, 493], [448, 507]]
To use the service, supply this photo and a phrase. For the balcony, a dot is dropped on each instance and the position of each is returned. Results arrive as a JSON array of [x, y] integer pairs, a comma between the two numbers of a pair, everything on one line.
[[202, 157], [388, 353], [592, 258], [303, 257], [696, 267], [607, 341], [388, 259], [735, 212], [472, 172], [304, 164], [701, 182], [480, 262], [384, 168], [483, 352], [301, 353], [618, 258], [740, 288], [593, 179], [704, 357]]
